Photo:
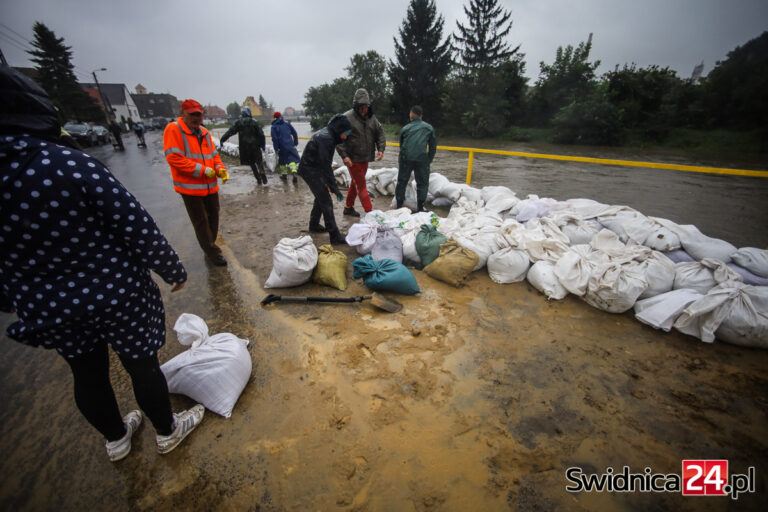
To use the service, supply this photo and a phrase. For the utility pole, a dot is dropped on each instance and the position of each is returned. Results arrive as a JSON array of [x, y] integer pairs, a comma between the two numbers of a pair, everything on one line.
[[101, 94]]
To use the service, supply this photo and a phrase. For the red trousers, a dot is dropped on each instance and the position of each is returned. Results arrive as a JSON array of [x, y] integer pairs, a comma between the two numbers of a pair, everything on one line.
[[358, 188]]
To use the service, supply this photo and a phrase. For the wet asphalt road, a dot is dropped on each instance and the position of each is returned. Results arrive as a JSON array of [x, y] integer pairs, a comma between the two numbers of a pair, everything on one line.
[[498, 364]]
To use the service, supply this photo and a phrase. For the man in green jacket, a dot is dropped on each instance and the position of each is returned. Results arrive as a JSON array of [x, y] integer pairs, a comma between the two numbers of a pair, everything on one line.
[[418, 146]]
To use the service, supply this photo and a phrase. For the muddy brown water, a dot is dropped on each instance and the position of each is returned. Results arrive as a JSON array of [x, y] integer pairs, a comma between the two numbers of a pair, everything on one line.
[[476, 398]]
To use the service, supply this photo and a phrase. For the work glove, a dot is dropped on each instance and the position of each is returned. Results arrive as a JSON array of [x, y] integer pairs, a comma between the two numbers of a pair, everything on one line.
[[339, 197], [209, 172], [223, 174]]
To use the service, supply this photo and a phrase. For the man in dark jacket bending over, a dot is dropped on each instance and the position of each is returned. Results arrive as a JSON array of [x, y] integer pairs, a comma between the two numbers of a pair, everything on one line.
[[315, 168]]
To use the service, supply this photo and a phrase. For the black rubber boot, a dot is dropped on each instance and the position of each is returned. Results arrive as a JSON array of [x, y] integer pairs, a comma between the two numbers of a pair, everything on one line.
[[284, 177], [351, 212], [264, 178], [295, 178], [420, 207], [337, 238], [399, 204], [317, 228]]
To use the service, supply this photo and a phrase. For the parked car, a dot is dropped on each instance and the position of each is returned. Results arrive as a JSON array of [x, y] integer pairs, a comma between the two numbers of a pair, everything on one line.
[[82, 132], [158, 123], [102, 134]]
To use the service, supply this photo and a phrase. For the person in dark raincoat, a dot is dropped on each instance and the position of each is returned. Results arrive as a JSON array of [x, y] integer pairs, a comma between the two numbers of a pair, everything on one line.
[[117, 134], [285, 139], [251, 141], [77, 253], [316, 169]]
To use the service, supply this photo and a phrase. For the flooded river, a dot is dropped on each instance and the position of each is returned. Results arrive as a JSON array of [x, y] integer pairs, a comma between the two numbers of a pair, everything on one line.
[[469, 399]]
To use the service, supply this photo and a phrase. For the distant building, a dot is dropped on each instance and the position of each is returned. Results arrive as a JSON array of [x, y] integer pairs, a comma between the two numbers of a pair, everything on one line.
[[153, 105], [140, 89], [289, 111], [253, 105], [118, 98], [214, 113]]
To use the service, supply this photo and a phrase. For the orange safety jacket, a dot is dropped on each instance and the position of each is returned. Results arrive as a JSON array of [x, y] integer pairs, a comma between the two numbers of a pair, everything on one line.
[[188, 158]]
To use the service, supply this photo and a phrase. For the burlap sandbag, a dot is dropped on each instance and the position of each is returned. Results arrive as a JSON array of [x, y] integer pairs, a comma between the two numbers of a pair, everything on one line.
[[453, 265], [331, 269]]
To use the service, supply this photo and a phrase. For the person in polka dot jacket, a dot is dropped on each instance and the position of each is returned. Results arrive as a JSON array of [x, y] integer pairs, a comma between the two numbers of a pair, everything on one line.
[[77, 249]]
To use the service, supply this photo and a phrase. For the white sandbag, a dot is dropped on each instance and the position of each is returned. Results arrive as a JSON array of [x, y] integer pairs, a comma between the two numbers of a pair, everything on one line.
[[753, 259], [659, 272], [442, 201], [293, 260], [661, 311], [549, 228], [508, 265], [545, 250], [733, 312], [452, 191], [534, 208], [747, 276], [614, 288], [270, 158], [703, 275], [580, 231], [342, 176], [574, 268], [362, 236], [388, 246], [410, 254], [215, 369], [374, 218], [542, 277], [701, 246], [663, 238], [629, 225], [472, 194], [436, 182], [502, 201], [679, 256]]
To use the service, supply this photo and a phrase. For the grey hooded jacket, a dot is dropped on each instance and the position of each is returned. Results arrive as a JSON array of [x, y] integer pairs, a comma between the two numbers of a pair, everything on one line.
[[367, 135]]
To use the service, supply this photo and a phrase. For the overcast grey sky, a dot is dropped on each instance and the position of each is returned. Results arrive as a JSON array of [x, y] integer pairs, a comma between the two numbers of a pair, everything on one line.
[[219, 52]]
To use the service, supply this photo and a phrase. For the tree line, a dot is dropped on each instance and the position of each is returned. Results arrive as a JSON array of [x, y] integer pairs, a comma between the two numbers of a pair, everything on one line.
[[472, 82]]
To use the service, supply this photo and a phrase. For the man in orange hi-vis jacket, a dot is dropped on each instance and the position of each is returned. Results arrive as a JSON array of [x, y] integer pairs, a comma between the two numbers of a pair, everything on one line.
[[195, 168]]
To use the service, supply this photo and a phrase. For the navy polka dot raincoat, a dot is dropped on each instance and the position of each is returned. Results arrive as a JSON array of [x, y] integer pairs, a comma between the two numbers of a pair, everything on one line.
[[77, 249]]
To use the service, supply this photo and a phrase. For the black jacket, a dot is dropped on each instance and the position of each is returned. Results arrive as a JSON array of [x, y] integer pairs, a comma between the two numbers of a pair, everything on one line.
[[317, 158]]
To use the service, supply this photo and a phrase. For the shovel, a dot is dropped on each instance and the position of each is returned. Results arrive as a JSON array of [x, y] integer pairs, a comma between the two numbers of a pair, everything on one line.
[[377, 300]]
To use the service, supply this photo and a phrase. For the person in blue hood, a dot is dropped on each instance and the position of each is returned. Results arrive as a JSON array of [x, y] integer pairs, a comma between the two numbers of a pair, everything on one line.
[[316, 169], [77, 251], [285, 139]]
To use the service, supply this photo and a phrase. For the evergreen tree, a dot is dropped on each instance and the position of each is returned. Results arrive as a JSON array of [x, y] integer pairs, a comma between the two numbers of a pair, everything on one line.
[[55, 74], [263, 103], [481, 45], [422, 62]]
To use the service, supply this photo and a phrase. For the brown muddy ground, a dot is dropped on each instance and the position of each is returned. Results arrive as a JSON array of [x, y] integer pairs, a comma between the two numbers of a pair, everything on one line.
[[476, 398]]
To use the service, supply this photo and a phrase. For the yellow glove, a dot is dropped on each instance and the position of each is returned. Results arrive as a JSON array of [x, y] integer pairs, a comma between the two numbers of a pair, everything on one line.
[[209, 172], [223, 174]]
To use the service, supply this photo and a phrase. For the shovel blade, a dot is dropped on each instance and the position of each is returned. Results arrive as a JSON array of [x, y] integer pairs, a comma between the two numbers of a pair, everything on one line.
[[385, 303]]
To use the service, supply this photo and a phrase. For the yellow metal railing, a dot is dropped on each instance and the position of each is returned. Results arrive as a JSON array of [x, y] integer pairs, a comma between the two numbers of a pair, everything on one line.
[[590, 160]]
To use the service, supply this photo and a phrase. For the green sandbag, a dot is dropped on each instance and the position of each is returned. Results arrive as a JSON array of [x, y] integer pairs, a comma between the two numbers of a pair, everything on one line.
[[331, 269], [428, 243], [453, 265]]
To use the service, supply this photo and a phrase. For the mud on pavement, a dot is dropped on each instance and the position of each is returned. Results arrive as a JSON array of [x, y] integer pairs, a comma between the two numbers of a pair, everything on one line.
[[476, 398]]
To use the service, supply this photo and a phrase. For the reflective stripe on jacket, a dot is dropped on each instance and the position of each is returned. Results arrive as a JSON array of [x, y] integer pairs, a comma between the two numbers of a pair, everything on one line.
[[188, 158]]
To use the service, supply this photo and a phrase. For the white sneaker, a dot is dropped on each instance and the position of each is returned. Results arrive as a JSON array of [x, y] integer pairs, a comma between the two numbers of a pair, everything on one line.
[[183, 424], [117, 450]]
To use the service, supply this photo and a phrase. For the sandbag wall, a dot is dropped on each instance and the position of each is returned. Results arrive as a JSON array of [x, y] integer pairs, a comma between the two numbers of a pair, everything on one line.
[[613, 257]]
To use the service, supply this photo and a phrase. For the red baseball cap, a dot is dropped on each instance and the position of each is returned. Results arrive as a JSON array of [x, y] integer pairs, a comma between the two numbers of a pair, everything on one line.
[[276, 115], [191, 106]]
